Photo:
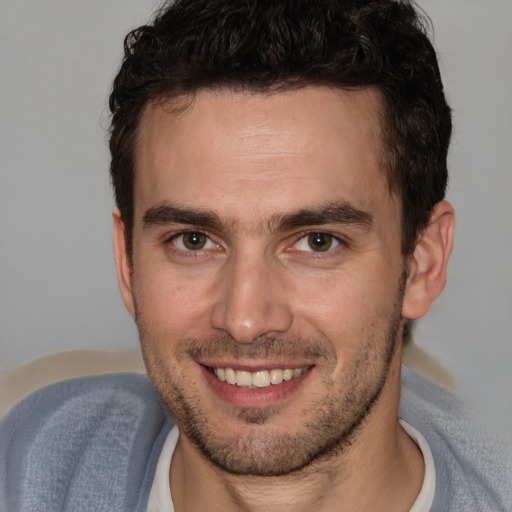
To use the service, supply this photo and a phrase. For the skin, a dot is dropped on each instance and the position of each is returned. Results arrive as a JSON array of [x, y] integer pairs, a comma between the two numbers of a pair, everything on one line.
[[255, 293]]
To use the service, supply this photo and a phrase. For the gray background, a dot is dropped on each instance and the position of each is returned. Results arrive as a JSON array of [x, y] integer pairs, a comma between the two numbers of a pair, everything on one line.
[[57, 279]]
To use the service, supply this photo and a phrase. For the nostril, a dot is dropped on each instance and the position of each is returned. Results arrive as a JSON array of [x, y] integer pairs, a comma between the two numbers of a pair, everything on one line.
[[249, 304]]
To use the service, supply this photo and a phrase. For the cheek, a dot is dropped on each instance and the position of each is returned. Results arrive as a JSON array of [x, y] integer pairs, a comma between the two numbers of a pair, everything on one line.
[[171, 307], [348, 307]]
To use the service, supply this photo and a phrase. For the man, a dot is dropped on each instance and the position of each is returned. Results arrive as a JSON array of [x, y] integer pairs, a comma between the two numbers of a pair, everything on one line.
[[279, 171]]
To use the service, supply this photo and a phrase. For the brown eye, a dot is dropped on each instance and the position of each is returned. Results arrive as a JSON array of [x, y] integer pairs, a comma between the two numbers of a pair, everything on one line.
[[192, 241], [317, 241], [320, 242]]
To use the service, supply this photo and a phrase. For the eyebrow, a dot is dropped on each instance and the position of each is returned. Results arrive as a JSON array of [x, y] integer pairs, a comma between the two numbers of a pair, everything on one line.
[[169, 214], [340, 212]]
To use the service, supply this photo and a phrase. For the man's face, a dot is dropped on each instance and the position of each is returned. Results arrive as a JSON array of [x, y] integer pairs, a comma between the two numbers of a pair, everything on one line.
[[267, 276]]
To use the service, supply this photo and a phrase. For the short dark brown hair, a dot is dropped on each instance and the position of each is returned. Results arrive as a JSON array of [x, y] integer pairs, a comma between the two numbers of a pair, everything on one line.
[[267, 45]]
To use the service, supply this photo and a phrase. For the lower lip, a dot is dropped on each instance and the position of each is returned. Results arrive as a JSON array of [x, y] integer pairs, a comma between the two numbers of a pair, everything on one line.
[[254, 397]]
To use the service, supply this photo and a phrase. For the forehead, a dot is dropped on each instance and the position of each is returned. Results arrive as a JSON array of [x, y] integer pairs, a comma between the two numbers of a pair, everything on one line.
[[259, 152]]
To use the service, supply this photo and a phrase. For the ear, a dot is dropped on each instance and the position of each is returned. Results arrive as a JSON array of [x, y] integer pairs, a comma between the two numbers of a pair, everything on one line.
[[123, 265], [429, 262]]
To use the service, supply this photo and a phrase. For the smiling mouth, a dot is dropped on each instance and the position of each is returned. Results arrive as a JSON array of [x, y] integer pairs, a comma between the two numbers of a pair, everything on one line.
[[257, 379]]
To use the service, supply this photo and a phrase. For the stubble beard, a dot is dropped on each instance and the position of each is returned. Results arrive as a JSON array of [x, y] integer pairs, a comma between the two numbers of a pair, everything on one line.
[[261, 450]]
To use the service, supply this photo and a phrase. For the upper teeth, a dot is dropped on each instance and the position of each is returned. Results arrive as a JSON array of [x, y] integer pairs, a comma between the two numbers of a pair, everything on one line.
[[259, 379]]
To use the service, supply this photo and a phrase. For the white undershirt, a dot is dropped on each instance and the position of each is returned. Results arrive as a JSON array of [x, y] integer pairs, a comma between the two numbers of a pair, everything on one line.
[[160, 496], [426, 496]]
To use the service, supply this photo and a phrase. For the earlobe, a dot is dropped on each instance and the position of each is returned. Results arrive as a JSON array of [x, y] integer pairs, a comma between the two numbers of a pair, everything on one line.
[[123, 265], [429, 261]]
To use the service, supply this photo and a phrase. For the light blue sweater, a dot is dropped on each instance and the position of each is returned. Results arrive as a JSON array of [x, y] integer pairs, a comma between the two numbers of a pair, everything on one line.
[[92, 444]]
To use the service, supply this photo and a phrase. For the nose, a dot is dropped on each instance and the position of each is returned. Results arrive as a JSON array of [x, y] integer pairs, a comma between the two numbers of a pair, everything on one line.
[[251, 301]]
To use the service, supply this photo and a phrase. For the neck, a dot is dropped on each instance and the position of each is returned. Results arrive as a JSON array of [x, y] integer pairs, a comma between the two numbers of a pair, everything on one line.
[[382, 469]]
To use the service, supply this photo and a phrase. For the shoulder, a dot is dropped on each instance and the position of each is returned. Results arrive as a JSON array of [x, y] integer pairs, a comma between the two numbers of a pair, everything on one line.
[[473, 467], [81, 444]]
